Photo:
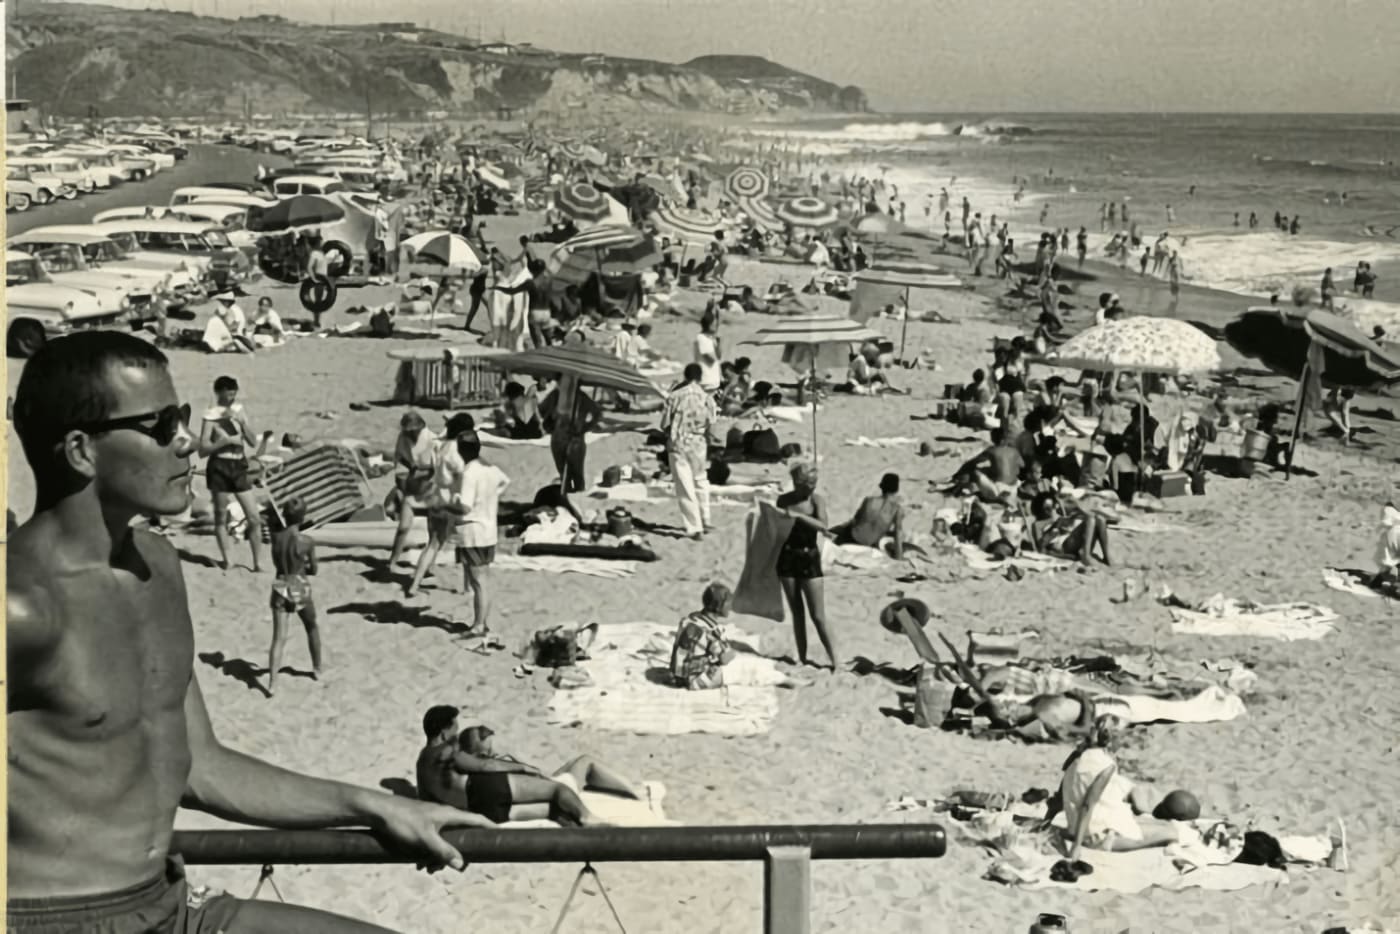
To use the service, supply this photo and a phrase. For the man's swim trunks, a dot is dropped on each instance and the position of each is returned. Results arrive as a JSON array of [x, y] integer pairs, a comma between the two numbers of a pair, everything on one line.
[[165, 905]]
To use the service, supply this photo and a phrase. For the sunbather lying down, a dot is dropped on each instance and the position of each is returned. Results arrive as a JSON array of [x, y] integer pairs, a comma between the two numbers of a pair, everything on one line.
[[473, 777]]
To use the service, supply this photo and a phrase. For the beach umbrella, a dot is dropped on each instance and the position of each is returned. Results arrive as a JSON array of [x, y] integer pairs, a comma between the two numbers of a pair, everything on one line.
[[656, 183], [1145, 344], [812, 333], [763, 216], [687, 223], [582, 202], [1280, 338], [746, 182], [1317, 348], [295, 213], [491, 176], [448, 250], [592, 366], [593, 155], [806, 211], [609, 249], [874, 223], [914, 276]]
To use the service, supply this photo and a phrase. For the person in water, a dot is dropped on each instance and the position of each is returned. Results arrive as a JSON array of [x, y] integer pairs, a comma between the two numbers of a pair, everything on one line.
[[877, 518], [108, 731]]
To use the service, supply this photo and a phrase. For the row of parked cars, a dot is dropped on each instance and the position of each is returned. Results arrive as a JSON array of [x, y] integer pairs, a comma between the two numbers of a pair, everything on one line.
[[39, 171], [131, 265]]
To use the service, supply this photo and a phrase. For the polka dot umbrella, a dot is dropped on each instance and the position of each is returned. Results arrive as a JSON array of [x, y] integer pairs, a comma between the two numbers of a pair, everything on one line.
[[807, 211], [746, 182], [584, 203]]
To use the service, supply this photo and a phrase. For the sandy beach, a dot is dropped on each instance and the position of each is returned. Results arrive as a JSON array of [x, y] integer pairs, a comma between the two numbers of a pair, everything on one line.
[[1318, 744]]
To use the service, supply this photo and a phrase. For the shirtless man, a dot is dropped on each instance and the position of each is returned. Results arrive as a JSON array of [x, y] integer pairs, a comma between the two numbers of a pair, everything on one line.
[[1004, 461], [108, 732], [876, 518]]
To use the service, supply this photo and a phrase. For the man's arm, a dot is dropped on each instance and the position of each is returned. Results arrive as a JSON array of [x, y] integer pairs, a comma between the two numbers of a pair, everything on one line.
[[238, 787], [209, 445], [466, 763]]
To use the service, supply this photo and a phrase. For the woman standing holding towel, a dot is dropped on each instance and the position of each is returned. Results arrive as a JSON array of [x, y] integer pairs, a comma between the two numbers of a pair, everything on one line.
[[800, 560]]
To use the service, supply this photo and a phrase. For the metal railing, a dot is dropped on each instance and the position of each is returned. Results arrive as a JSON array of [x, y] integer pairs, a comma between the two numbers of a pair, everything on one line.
[[785, 850]]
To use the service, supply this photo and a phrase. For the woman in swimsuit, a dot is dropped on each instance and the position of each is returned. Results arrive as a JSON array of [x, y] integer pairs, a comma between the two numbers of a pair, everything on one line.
[[1072, 536], [521, 413], [800, 560]]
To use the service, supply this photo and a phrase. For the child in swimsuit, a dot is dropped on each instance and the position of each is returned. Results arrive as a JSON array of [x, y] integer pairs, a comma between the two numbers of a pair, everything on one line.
[[294, 558]]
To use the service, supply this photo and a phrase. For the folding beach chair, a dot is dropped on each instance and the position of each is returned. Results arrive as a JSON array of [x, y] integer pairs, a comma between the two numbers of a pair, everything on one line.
[[329, 480]]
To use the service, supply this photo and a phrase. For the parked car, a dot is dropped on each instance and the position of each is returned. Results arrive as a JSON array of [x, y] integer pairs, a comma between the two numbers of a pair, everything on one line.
[[160, 160], [232, 219], [37, 186], [206, 192], [68, 170], [100, 261], [197, 241], [289, 186], [39, 308], [106, 245]]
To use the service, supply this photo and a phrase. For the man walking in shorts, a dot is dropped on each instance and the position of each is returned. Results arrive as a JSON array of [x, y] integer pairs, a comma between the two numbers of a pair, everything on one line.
[[475, 503], [108, 731]]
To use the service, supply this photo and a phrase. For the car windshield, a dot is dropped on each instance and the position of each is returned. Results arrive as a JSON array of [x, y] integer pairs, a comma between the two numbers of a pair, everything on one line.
[[217, 239], [58, 259], [126, 242], [23, 271], [103, 251]]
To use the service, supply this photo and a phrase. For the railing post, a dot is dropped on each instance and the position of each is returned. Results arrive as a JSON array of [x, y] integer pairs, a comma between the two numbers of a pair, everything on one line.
[[787, 890]]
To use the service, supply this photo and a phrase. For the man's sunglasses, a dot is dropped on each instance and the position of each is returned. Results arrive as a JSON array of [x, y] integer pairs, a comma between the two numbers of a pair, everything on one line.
[[160, 426]]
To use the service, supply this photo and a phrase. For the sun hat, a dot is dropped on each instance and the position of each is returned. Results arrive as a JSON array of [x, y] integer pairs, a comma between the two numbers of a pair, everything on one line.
[[916, 608]]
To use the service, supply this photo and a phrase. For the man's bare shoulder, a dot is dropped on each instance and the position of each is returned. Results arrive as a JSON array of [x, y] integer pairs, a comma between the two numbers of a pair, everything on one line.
[[30, 620]]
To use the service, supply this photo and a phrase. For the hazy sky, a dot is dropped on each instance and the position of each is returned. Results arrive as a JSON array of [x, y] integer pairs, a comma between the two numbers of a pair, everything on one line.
[[964, 55]]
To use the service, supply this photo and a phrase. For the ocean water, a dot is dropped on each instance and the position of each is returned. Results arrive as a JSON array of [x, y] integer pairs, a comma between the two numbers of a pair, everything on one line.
[[1072, 163]]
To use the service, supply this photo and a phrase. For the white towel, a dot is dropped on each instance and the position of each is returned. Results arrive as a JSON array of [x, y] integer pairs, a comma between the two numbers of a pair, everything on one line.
[[490, 440], [631, 690], [979, 560], [863, 442], [560, 564], [1213, 704], [1221, 616], [1348, 583], [615, 809]]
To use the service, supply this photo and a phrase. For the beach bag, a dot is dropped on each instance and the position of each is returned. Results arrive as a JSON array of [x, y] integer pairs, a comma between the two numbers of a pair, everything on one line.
[[560, 646], [718, 473], [762, 443]]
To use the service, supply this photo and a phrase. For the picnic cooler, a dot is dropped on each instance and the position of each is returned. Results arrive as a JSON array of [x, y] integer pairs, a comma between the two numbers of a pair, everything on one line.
[[1168, 483]]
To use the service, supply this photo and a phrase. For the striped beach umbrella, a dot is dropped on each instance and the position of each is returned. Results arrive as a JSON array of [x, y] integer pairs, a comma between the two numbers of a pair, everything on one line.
[[906, 276], [609, 250], [813, 332], [443, 248], [582, 202], [746, 182], [806, 211], [687, 223], [592, 365], [762, 214]]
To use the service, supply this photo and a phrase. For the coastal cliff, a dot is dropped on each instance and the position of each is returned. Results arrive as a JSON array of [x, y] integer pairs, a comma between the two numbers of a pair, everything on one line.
[[85, 59]]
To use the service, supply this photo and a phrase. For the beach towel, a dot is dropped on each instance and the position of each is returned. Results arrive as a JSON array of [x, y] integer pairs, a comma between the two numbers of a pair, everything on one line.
[[789, 413], [558, 564], [1026, 858], [1225, 616], [979, 560], [759, 593], [1141, 525], [863, 442], [510, 308], [631, 689], [1352, 582], [731, 494], [852, 557], [615, 809], [1213, 704]]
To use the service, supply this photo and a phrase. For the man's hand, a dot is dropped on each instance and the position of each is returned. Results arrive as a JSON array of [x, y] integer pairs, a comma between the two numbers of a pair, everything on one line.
[[416, 827]]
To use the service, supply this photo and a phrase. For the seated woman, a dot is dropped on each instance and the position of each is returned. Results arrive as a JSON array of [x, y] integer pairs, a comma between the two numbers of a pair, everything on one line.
[[1104, 810], [701, 651], [520, 415], [1337, 408], [1068, 536], [867, 377], [504, 789]]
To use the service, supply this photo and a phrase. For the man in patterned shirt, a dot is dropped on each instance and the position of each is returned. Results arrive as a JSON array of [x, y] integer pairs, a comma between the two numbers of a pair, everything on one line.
[[687, 418]]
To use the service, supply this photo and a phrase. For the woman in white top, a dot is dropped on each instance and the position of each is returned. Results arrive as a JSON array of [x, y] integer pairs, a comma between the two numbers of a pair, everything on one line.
[[707, 351], [1102, 807]]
